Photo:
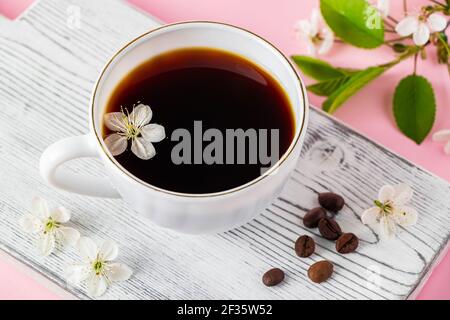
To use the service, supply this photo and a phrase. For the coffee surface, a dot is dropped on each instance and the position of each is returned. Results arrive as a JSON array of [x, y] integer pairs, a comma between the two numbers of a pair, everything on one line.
[[220, 89]]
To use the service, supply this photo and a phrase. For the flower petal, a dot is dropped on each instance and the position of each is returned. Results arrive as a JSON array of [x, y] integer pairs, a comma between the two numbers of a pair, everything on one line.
[[403, 193], [407, 26], [87, 248], [387, 228], [119, 272], [315, 18], [442, 135], [30, 223], [116, 144], [108, 250], [60, 214], [39, 208], [311, 47], [46, 243], [303, 28], [96, 285], [406, 216], [77, 272], [141, 115], [421, 35], [115, 121], [447, 148], [68, 236], [436, 22], [328, 41], [153, 132], [383, 7], [143, 149], [386, 193], [370, 216]]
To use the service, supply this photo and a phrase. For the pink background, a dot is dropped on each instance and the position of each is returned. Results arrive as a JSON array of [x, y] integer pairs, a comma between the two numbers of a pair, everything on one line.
[[369, 111]]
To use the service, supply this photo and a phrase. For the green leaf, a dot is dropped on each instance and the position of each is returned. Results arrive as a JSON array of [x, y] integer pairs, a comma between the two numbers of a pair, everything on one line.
[[326, 88], [354, 21], [317, 69], [355, 83], [349, 71], [329, 77], [414, 107]]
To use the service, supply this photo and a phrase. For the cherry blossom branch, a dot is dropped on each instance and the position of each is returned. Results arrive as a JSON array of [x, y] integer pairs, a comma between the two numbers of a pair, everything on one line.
[[444, 43], [438, 3], [392, 19], [397, 39], [320, 37], [411, 51], [390, 25]]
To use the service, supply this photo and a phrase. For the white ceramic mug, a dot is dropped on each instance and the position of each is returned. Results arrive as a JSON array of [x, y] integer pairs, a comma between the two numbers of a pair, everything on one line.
[[187, 213]]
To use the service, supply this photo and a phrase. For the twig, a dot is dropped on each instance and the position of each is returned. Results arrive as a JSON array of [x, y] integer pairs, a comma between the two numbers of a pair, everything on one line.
[[335, 40], [444, 43], [392, 19], [397, 39], [389, 24], [438, 3], [401, 57], [405, 8]]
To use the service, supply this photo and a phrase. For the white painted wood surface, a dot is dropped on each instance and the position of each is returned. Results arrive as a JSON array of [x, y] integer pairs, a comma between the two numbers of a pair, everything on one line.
[[46, 73]]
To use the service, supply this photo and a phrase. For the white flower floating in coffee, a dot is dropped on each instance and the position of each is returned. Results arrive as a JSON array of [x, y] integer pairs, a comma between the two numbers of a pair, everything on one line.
[[136, 127], [420, 26], [390, 209], [49, 226], [97, 268], [317, 40]]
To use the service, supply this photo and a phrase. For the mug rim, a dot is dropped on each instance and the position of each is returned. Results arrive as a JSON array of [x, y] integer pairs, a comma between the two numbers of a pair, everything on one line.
[[266, 174]]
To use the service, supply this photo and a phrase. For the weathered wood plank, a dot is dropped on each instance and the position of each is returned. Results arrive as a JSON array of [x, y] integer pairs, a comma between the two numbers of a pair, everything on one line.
[[47, 71]]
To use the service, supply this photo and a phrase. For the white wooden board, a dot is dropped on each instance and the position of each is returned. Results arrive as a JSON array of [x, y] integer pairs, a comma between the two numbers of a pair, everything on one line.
[[47, 70]]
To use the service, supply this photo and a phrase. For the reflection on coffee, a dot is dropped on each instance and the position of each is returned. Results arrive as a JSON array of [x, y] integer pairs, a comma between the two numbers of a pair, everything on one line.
[[223, 117]]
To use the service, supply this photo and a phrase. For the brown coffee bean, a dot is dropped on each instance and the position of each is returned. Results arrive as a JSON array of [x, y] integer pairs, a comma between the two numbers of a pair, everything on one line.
[[313, 216], [273, 277], [329, 229], [347, 243], [305, 246], [331, 201], [320, 271]]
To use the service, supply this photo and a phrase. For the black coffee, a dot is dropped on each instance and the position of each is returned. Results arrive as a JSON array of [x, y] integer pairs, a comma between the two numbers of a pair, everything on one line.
[[207, 88]]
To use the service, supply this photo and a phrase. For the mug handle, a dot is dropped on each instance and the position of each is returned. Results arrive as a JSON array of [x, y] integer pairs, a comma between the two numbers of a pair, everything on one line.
[[68, 149]]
